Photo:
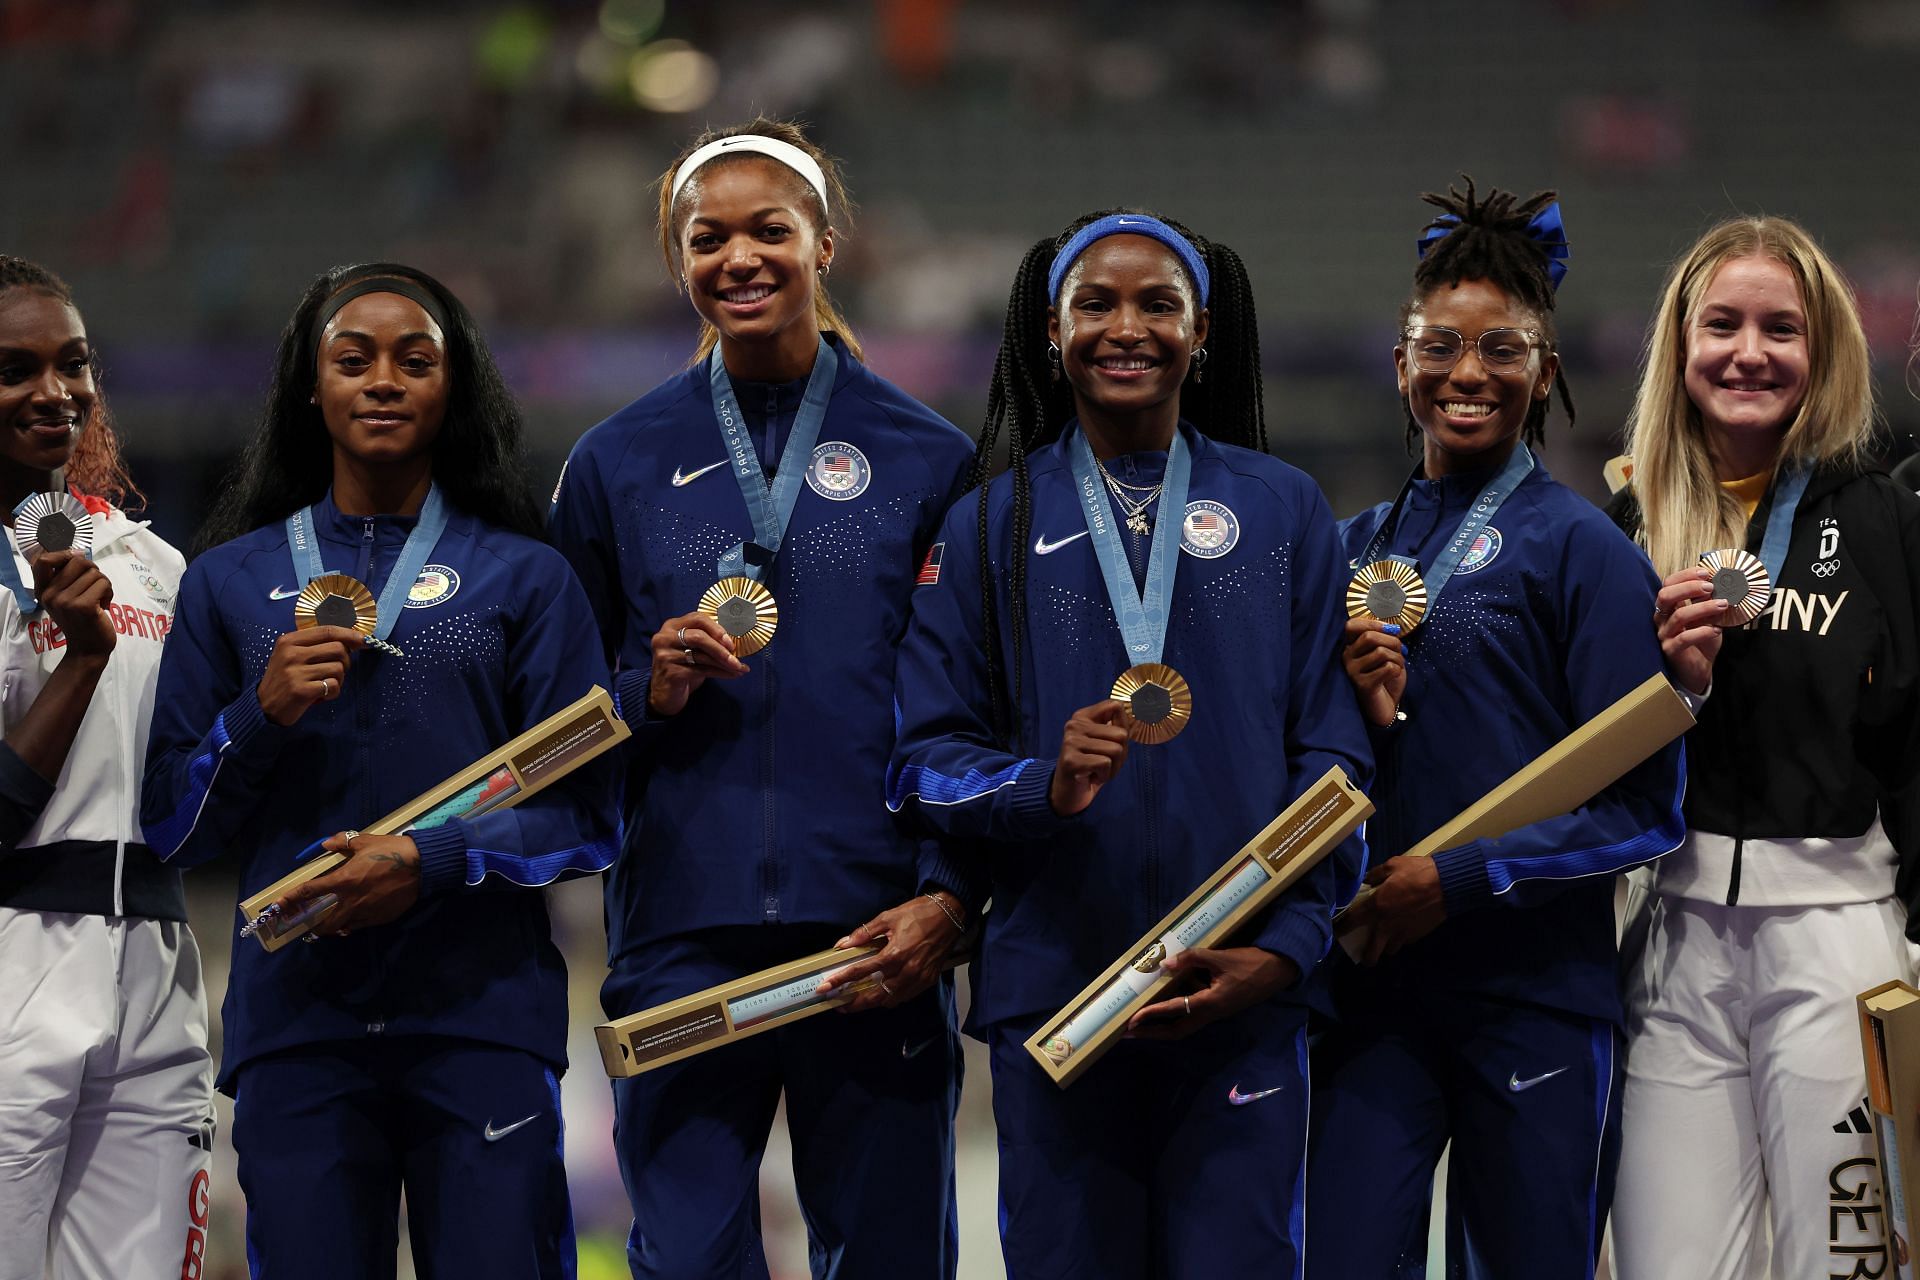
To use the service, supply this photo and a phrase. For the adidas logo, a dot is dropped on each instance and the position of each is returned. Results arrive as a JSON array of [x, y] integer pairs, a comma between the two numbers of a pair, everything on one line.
[[1858, 1120]]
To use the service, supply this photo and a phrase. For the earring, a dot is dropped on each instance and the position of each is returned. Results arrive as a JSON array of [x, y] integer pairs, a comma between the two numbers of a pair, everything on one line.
[[824, 266], [1053, 359], [1199, 363]]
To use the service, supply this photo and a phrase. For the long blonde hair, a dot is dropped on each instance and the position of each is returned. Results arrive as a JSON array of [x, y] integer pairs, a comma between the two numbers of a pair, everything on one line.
[[1683, 509], [826, 316]]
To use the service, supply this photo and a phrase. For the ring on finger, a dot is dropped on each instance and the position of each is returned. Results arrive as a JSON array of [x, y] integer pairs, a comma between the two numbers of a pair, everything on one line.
[[326, 689], [887, 989], [689, 656], [1188, 1000], [682, 633]]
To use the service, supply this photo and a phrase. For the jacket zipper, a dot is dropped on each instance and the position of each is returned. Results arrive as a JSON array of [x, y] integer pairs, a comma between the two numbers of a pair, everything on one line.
[[363, 739], [769, 866]]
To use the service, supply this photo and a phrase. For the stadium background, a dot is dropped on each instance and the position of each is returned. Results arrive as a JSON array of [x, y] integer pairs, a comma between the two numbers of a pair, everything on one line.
[[189, 165]]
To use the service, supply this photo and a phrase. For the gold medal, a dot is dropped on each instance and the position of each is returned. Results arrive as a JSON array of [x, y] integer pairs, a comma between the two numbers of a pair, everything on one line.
[[52, 522], [1741, 580], [1390, 591], [1158, 701], [336, 600], [745, 610]]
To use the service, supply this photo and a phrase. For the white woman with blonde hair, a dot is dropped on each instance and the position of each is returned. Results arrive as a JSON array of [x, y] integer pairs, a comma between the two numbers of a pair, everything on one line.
[[1744, 1105]]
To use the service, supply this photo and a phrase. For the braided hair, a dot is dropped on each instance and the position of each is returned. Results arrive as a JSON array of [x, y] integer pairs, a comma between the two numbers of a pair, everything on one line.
[[1489, 241], [1031, 403], [96, 465]]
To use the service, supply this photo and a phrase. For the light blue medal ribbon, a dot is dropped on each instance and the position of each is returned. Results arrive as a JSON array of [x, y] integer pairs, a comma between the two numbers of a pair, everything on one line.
[[1479, 516], [10, 579], [1496, 491], [304, 547], [769, 506], [1142, 614], [1786, 500]]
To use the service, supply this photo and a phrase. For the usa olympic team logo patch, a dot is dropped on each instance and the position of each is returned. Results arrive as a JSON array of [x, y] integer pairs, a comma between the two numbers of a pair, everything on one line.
[[839, 471], [435, 585], [1210, 530], [1485, 547]]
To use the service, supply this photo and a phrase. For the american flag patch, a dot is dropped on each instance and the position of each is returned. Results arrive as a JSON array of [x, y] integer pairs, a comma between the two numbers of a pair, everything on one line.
[[930, 567], [837, 464], [1205, 520]]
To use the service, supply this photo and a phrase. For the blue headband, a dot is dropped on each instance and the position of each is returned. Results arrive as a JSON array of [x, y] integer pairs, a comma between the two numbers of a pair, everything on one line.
[[1129, 224], [1546, 229]]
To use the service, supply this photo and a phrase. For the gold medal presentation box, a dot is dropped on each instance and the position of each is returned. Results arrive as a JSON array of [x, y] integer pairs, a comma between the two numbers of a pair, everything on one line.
[[1567, 775], [1890, 1039], [1327, 813], [536, 759], [720, 1015]]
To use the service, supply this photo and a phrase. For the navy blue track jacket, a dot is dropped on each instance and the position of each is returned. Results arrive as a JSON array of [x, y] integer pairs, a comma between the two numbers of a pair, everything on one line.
[[497, 637], [1547, 622], [762, 801], [1255, 627]]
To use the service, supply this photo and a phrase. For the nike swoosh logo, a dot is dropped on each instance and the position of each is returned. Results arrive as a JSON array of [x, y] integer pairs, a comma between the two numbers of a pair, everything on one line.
[[494, 1135], [1240, 1099], [1517, 1085], [1041, 547], [283, 593], [913, 1051], [688, 477]]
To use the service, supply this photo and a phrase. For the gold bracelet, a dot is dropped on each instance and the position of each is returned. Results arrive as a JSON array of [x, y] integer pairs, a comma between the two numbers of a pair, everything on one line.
[[945, 911]]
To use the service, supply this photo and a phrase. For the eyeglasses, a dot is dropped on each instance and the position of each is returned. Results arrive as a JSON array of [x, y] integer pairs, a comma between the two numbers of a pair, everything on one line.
[[1434, 349]]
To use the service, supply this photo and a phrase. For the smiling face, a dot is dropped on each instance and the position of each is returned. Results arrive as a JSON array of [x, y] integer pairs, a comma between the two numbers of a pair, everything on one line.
[[1127, 321], [1748, 360], [1471, 415], [752, 251], [382, 380], [46, 386]]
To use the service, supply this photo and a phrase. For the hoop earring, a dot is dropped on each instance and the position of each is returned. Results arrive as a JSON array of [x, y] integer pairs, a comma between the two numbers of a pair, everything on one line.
[[1199, 358], [1053, 361]]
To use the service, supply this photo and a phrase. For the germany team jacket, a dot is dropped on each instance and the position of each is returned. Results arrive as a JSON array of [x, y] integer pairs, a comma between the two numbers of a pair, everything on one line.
[[75, 844], [762, 801], [1547, 621], [1804, 784], [1254, 628], [496, 637]]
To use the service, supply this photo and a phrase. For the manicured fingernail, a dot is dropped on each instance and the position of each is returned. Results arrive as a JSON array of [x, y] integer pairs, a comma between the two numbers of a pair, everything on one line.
[[1391, 628]]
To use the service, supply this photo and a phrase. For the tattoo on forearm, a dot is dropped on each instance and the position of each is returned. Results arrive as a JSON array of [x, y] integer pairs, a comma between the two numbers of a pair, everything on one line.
[[397, 859]]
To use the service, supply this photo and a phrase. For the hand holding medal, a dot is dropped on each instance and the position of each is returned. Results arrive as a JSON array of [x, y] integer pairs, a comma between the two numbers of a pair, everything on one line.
[[1093, 746], [688, 651], [55, 535]]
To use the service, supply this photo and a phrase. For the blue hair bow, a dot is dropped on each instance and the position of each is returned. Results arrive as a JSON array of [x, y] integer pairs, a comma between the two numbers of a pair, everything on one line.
[[1546, 229]]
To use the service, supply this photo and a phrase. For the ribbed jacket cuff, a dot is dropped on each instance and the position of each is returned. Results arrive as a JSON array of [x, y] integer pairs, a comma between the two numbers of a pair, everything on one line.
[[940, 870], [1291, 934], [247, 725], [1463, 878], [1027, 799], [443, 857], [630, 696]]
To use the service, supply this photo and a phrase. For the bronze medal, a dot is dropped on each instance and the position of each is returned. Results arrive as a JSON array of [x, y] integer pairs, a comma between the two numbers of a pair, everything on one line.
[[1158, 701], [745, 610], [1741, 580], [1390, 591]]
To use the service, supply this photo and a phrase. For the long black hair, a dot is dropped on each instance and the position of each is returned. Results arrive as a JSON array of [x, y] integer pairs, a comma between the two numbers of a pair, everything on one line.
[[96, 465], [1490, 242], [478, 459], [1031, 403]]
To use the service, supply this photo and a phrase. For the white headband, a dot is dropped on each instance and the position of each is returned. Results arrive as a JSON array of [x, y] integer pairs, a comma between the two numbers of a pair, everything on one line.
[[785, 152]]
